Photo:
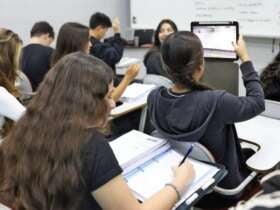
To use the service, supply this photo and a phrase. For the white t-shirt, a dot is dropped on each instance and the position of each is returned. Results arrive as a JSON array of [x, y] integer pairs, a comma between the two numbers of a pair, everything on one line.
[[10, 107]]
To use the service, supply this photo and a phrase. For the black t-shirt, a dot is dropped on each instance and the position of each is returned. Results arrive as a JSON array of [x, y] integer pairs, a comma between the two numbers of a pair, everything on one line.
[[99, 165], [36, 60]]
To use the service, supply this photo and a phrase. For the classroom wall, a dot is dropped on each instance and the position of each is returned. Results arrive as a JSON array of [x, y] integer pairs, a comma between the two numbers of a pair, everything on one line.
[[20, 15]]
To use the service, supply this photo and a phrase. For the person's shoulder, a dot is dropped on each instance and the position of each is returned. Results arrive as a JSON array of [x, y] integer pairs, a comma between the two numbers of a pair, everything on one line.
[[4, 91], [97, 141], [38, 48], [153, 53]]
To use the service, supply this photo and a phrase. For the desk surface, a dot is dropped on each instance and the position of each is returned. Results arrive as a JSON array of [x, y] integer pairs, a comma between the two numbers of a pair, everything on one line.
[[264, 132]]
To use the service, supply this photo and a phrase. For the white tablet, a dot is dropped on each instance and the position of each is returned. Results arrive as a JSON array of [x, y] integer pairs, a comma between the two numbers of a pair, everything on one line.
[[217, 38]]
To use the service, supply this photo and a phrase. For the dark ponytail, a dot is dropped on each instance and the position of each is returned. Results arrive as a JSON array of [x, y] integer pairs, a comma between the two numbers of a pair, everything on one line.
[[182, 53]]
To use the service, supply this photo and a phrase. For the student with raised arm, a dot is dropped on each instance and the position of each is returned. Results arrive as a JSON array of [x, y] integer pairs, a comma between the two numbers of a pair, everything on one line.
[[190, 111], [56, 158], [110, 50], [152, 59], [10, 108]]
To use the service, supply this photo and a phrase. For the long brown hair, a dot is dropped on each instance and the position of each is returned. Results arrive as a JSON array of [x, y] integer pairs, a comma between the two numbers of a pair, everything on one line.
[[41, 165], [10, 47], [72, 37]]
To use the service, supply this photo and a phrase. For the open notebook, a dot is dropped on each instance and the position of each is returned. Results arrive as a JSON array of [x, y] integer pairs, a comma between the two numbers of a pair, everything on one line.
[[147, 163]]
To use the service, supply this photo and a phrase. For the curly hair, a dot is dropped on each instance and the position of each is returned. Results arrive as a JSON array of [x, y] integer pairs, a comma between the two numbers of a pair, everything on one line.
[[270, 78]]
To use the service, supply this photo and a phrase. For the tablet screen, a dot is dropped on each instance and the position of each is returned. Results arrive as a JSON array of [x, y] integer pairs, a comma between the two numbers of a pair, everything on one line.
[[217, 39]]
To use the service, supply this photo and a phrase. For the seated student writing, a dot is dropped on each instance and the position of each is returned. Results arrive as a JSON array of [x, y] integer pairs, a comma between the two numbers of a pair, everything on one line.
[[152, 59], [55, 157], [190, 111], [270, 78]]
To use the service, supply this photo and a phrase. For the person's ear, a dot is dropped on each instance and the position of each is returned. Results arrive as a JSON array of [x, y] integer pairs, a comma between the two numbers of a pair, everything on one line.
[[198, 73]]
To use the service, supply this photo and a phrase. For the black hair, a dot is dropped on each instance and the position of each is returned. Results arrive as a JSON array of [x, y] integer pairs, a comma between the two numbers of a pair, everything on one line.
[[99, 19], [270, 78], [182, 53], [164, 21], [157, 43], [41, 28], [72, 37]]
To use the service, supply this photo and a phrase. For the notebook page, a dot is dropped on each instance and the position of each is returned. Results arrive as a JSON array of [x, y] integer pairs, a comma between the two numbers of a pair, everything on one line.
[[152, 176]]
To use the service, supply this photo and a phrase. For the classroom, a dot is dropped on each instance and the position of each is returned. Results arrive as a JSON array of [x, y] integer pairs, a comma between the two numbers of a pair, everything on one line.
[[139, 105]]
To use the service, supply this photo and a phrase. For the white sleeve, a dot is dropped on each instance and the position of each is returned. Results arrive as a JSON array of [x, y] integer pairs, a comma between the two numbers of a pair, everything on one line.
[[10, 107]]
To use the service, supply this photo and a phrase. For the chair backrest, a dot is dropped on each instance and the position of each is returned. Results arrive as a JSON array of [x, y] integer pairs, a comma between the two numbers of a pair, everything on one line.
[[199, 151], [203, 154], [157, 80], [24, 86], [272, 109]]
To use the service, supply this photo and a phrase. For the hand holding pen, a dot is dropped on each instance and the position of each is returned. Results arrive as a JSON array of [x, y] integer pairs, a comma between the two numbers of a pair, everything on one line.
[[186, 155]]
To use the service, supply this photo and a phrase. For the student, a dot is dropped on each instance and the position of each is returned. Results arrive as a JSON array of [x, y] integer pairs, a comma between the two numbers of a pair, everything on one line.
[[72, 37], [36, 56], [10, 108], [111, 50], [190, 111], [270, 78], [152, 59], [69, 164]]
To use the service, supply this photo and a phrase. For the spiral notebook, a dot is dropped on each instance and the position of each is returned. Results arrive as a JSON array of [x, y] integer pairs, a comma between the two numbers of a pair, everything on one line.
[[146, 162]]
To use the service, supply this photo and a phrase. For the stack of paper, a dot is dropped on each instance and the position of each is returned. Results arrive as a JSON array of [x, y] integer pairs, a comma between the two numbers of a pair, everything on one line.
[[134, 148]]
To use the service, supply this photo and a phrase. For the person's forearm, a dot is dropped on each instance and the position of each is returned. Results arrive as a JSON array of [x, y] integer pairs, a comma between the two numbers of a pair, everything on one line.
[[167, 194], [118, 91]]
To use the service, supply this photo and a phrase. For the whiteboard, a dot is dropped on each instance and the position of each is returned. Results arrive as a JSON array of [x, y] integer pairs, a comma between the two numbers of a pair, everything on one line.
[[257, 18]]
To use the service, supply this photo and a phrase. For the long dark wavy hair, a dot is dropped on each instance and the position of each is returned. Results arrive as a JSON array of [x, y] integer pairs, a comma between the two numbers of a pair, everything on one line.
[[40, 161], [270, 78], [72, 37], [10, 48], [182, 53]]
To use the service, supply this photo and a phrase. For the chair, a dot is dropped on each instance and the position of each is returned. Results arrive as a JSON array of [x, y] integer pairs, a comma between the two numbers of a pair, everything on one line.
[[201, 153], [24, 86], [272, 109], [157, 80]]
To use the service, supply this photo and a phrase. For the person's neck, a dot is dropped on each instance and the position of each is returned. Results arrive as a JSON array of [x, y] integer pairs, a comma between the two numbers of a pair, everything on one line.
[[177, 88], [37, 40], [94, 34]]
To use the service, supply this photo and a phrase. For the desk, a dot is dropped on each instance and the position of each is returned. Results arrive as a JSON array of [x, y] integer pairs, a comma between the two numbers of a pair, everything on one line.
[[132, 104], [264, 132]]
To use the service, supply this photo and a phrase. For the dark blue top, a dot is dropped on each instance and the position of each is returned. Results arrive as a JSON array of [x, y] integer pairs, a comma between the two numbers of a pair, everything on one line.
[[99, 165], [208, 117], [36, 60], [110, 51]]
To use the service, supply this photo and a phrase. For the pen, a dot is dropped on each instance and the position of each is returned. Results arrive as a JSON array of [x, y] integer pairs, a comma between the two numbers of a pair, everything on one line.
[[186, 155]]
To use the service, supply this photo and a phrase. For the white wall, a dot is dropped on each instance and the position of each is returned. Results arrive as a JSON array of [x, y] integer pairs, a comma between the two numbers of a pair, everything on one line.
[[20, 15]]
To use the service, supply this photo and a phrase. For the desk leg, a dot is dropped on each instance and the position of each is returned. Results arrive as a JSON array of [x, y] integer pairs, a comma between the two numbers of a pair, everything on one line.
[[143, 118]]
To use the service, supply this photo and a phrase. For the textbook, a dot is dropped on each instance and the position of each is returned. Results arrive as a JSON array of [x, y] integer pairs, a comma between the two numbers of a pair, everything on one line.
[[147, 166]]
